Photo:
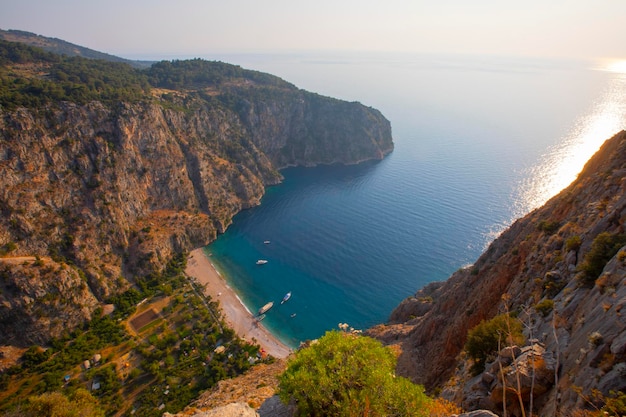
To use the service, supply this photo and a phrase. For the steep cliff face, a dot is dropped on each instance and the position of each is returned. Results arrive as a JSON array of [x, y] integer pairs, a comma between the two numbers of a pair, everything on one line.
[[318, 130], [539, 268], [116, 189], [48, 298]]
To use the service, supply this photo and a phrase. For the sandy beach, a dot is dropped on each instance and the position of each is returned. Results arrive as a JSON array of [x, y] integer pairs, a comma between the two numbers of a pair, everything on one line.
[[235, 313]]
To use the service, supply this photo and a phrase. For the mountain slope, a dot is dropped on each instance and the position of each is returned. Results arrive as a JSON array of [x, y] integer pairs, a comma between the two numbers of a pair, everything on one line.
[[110, 171], [540, 268], [61, 47]]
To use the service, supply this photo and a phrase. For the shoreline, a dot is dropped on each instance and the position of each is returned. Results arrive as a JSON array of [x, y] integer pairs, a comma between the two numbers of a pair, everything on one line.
[[235, 313]]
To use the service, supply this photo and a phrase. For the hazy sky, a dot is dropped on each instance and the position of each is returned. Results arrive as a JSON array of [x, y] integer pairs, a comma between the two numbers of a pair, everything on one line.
[[157, 28]]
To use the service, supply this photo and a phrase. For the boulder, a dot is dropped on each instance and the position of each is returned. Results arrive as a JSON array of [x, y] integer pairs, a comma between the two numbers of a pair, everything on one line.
[[534, 369]]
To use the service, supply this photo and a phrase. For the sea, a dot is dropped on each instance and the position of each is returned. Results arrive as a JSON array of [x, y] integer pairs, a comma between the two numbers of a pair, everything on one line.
[[479, 142]]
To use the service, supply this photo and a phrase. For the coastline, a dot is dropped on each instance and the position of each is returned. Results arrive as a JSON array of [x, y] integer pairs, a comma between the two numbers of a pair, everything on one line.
[[238, 317]]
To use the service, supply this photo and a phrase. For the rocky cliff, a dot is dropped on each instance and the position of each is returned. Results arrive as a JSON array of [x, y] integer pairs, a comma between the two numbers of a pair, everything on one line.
[[108, 190], [562, 270]]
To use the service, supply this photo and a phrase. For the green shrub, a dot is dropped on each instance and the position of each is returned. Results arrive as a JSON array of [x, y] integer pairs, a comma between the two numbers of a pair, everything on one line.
[[548, 227], [573, 243], [344, 374], [38, 261], [615, 403], [8, 248], [544, 307], [484, 339], [603, 248], [552, 284]]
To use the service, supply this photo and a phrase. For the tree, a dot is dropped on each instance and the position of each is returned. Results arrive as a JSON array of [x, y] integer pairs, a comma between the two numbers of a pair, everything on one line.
[[35, 355], [345, 374], [55, 404]]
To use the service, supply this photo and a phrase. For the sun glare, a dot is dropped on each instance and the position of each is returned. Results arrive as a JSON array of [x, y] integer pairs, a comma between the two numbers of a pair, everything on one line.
[[617, 67], [561, 165]]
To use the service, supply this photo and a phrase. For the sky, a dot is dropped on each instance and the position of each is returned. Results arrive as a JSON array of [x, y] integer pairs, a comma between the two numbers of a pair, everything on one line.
[[151, 29]]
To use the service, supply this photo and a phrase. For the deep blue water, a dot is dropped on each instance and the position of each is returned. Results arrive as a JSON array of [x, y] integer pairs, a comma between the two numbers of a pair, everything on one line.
[[351, 242]]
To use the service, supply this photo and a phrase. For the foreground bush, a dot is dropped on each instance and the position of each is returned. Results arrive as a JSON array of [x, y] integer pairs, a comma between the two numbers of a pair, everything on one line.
[[344, 374]]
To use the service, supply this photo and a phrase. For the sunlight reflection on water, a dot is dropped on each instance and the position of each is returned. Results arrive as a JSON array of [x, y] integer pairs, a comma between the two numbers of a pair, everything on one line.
[[563, 162]]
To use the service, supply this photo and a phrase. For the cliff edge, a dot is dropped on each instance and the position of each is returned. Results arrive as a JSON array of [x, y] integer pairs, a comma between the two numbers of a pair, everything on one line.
[[561, 270], [107, 171]]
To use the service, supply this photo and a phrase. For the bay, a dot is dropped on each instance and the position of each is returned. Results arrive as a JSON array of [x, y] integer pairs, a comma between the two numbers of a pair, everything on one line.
[[480, 141]]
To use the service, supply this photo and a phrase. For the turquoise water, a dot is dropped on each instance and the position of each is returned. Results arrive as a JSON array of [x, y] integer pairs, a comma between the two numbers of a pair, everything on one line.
[[474, 138]]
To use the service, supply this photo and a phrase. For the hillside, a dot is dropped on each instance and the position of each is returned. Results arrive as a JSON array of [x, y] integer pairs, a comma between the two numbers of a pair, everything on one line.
[[562, 271], [107, 172], [110, 174], [61, 47]]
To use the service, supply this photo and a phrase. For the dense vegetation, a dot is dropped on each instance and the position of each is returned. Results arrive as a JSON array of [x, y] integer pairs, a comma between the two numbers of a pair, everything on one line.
[[198, 73], [345, 374], [165, 363], [42, 78], [31, 77], [17, 53], [61, 47]]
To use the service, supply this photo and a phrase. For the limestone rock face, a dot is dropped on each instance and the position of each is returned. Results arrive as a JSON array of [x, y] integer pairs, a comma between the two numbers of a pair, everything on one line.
[[117, 190], [41, 298], [534, 268]]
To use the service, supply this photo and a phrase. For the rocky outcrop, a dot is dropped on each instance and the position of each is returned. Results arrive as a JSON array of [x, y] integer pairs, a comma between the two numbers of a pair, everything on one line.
[[319, 130], [515, 373], [41, 298], [116, 189], [230, 410], [256, 388], [537, 269]]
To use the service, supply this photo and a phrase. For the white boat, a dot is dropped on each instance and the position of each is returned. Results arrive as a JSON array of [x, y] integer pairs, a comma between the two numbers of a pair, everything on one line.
[[265, 308], [286, 297], [267, 242], [261, 262]]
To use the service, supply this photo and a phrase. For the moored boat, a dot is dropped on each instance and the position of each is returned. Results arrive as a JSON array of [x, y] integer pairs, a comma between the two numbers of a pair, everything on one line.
[[261, 262], [286, 297], [265, 308]]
